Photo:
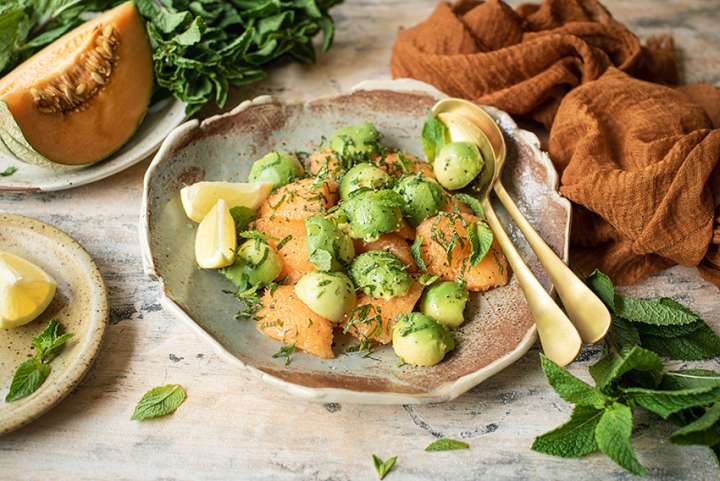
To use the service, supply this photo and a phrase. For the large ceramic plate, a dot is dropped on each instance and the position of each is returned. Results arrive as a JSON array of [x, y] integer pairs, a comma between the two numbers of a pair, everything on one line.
[[499, 328], [80, 304], [158, 123]]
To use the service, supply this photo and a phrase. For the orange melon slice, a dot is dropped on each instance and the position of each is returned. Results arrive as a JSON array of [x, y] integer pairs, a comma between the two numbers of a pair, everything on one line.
[[82, 97]]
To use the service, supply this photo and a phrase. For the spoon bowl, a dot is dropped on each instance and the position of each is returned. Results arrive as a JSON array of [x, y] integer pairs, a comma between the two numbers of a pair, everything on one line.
[[465, 121], [469, 121]]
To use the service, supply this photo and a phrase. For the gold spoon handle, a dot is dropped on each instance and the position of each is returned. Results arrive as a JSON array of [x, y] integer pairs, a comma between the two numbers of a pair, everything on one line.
[[559, 338], [585, 309]]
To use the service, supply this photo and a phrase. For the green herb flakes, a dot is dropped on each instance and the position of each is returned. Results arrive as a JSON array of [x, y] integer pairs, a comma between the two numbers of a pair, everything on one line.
[[285, 352]]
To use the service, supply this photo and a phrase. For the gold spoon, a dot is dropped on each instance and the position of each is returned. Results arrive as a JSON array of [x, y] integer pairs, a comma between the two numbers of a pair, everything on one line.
[[586, 311], [559, 338]]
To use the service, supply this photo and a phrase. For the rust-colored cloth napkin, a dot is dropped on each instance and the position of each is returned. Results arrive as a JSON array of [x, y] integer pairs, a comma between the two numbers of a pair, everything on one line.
[[639, 159]]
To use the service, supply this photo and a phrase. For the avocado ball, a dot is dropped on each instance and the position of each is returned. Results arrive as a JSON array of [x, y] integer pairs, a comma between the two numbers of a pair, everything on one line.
[[329, 294], [423, 197], [355, 143], [445, 302], [279, 168], [420, 340], [372, 213], [380, 274], [364, 175], [329, 248], [457, 164], [256, 265]]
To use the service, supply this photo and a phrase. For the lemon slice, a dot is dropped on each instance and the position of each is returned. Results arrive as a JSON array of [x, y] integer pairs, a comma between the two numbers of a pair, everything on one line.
[[215, 240], [199, 198], [25, 290]]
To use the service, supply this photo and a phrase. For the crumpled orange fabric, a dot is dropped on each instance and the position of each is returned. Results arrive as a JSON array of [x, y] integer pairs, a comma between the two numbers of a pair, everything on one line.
[[638, 158]]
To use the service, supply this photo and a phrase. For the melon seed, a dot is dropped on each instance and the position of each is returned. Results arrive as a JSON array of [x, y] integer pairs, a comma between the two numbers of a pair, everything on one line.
[[74, 87], [97, 77]]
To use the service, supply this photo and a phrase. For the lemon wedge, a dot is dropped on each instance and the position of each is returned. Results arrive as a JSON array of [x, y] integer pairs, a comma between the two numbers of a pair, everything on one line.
[[25, 290], [199, 198], [215, 240]]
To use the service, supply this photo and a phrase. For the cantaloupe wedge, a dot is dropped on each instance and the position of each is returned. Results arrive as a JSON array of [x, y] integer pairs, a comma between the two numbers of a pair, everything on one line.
[[82, 97]]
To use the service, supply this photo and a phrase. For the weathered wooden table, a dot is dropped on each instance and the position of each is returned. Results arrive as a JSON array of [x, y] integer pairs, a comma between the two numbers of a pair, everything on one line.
[[234, 426]]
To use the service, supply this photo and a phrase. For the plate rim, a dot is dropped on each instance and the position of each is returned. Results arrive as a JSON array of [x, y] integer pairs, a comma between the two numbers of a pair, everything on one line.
[[74, 373], [445, 392], [99, 170]]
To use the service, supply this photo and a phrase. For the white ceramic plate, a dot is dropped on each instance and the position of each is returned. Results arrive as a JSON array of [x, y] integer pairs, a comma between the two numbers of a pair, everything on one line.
[[160, 120]]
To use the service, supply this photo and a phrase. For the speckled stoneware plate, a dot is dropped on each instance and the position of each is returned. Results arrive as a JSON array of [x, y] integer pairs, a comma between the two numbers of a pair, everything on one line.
[[160, 120], [499, 328], [80, 304]]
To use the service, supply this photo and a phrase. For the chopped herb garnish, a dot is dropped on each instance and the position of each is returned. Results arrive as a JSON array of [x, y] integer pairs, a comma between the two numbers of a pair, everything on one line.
[[9, 171], [285, 352], [417, 253], [285, 240]]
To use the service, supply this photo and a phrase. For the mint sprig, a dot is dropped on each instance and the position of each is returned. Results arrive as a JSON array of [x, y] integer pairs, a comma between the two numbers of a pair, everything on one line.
[[31, 373], [382, 468], [631, 375]]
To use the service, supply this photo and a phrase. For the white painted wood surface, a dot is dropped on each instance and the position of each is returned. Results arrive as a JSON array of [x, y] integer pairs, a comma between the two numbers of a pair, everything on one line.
[[233, 426]]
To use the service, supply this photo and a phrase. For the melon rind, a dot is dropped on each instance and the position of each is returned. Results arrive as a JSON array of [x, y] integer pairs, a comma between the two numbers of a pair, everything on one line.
[[13, 144]]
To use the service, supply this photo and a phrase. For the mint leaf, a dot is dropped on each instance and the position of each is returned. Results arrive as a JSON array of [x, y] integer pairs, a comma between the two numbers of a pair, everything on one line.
[[612, 435], [434, 135], [660, 312], [570, 388], [669, 331], [417, 253], [50, 341], [383, 467], [446, 444], [623, 334], [29, 375], [472, 202], [575, 438], [242, 217], [193, 34], [705, 430], [665, 403], [699, 345], [603, 287], [159, 401], [690, 379], [615, 364], [481, 239], [9, 171]]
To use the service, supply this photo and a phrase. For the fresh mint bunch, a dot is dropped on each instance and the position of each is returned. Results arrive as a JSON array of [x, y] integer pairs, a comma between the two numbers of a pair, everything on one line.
[[202, 47], [631, 375]]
